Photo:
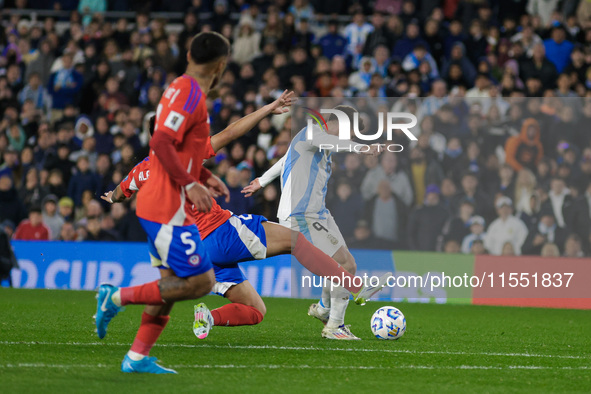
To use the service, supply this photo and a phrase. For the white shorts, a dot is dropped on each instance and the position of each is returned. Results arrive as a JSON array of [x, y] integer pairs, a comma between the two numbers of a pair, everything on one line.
[[322, 233]]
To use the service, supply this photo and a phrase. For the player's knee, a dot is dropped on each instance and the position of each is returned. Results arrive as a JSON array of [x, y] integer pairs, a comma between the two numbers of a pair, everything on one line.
[[262, 308]]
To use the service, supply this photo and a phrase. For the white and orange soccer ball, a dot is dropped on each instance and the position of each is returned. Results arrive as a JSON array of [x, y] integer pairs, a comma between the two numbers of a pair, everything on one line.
[[388, 323]]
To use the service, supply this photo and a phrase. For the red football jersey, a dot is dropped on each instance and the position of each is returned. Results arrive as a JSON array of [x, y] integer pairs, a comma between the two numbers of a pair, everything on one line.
[[206, 222], [182, 114]]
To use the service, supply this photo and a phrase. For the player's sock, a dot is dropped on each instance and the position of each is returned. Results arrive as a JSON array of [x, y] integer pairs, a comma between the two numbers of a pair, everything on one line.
[[317, 262], [324, 303], [147, 335], [236, 314], [146, 294], [338, 307]]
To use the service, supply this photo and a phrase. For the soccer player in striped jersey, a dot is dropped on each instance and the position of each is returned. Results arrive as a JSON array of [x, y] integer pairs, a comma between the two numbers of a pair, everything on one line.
[[305, 170]]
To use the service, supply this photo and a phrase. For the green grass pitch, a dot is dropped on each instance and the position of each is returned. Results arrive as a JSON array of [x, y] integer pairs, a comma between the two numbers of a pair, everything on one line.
[[48, 344]]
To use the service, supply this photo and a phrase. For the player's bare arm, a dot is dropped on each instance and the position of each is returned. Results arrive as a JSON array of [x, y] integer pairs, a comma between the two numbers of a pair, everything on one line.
[[245, 124]]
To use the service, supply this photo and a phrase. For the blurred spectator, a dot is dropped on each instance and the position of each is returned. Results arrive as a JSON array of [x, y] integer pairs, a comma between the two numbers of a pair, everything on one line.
[[11, 207], [356, 33], [478, 247], [550, 250], [558, 49], [411, 39], [30, 191], [539, 67], [525, 150], [66, 208], [381, 35], [51, 216], [573, 246], [388, 169], [426, 221], [247, 43], [41, 62], [546, 232], [64, 86], [385, 213], [348, 208], [419, 55], [332, 43], [559, 201], [36, 92], [32, 229], [83, 179], [477, 233], [68, 232], [95, 232], [506, 234], [471, 193]]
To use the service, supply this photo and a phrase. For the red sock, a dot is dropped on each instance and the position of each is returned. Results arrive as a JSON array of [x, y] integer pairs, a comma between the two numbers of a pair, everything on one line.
[[146, 294], [319, 263], [148, 333], [236, 315]]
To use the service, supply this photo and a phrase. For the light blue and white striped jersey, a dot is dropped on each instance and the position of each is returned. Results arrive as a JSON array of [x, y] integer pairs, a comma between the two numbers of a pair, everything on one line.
[[305, 170]]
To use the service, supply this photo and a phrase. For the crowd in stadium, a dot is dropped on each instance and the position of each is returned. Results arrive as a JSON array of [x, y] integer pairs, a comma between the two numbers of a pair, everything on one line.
[[502, 164]]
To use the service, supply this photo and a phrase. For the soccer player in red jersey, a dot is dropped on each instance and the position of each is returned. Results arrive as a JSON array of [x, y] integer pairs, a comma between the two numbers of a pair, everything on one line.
[[165, 204]]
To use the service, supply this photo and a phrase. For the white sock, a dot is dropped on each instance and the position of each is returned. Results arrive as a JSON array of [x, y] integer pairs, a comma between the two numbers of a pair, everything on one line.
[[135, 356], [339, 302], [324, 303], [116, 297]]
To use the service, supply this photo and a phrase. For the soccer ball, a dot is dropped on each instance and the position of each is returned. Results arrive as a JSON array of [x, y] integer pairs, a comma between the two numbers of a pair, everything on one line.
[[388, 323]]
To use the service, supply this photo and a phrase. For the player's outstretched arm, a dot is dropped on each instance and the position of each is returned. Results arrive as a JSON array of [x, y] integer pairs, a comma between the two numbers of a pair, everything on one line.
[[114, 195], [268, 177], [245, 124]]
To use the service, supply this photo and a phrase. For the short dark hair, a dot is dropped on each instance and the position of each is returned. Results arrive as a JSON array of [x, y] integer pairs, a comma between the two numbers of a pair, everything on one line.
[[209, 46], [349, 111]]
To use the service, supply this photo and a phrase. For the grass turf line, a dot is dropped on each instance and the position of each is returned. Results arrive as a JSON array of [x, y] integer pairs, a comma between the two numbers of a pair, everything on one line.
[[447, 348]]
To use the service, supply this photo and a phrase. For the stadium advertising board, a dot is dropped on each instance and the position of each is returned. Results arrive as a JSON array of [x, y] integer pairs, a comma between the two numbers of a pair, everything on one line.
[[418, 276]]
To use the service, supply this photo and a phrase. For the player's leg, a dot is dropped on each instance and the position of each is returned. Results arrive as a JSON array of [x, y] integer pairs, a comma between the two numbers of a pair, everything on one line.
[[280, 240], [325, 235], [154, 320], [246, 307]]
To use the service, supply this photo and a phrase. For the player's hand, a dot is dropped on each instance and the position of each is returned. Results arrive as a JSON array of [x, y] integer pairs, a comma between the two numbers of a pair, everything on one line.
[[200, 197], [252, 188], [108, 197], [282, 104], [217, 187]]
